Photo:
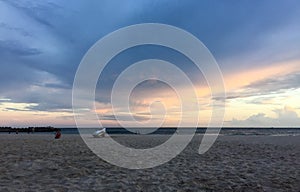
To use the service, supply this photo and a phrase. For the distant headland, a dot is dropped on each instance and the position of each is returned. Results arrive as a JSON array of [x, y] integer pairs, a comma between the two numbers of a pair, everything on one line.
[[28, 129]]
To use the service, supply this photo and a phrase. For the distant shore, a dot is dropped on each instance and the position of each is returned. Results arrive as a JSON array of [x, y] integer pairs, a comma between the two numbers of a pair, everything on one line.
[[28, 129]]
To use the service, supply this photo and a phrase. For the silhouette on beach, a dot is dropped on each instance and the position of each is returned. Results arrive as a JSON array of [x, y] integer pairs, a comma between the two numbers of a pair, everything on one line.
[[58, 134]]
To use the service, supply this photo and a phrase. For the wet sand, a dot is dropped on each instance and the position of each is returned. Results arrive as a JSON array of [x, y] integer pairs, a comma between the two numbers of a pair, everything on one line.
[[37, 162]]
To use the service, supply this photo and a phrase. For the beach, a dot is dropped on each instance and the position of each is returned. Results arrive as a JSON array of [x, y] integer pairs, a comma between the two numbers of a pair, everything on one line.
[[38, 162]]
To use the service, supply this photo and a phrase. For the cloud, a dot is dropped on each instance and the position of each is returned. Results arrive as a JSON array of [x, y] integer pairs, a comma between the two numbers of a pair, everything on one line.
[[237, 37], [125, 117], [25, 48], [42, 42], [48, 38], [48, 94], [15, 109], [286, 117], [270, 85], [14, 47], [265, 88]]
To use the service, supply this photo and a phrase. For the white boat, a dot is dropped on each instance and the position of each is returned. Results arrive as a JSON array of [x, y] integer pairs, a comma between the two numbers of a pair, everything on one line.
[[100, 133]]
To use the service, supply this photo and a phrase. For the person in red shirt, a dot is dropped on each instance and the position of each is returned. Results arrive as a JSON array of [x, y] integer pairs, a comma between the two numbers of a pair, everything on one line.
[[58, 134]]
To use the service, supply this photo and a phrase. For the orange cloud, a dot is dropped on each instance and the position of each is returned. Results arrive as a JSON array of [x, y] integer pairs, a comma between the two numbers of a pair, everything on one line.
[[239, 79]]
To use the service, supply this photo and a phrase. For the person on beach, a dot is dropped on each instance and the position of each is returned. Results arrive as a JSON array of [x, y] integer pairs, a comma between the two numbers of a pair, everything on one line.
[[58, 134]]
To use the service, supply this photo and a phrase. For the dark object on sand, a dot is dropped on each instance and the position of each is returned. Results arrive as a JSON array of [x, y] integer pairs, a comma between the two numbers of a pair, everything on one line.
[[58, 134]]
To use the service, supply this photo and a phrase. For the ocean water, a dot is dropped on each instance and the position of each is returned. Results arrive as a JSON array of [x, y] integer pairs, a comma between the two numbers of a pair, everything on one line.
[[172, 130], [224, 131]]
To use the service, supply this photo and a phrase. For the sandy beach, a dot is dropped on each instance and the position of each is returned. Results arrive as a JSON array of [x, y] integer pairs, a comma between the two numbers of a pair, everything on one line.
[[37, 162]]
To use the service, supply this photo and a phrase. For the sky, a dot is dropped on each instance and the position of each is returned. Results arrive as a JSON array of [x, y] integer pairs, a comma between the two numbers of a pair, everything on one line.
[[255, 43]]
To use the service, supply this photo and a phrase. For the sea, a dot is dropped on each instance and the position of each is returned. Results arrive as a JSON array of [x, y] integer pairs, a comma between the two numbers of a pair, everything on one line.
[[172, 130], [228, 131]]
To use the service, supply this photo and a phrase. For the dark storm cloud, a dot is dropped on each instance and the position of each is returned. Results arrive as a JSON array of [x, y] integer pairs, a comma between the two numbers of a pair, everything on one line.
[[16, 48], [42, 38], [38, 10], [233, 29]]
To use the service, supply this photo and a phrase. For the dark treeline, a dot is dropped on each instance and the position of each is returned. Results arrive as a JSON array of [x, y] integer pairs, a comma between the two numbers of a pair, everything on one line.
[[28, 129]]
